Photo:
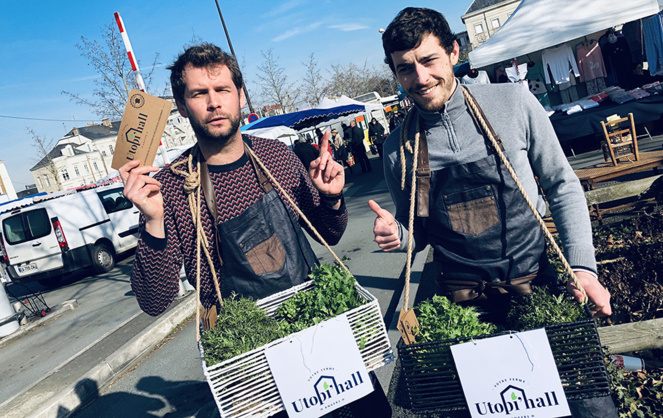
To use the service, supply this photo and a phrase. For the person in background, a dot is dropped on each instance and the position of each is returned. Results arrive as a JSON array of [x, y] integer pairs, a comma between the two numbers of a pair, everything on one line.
[[305, 152], [396, 120], [357, 147], [340, 151], [376, 134]]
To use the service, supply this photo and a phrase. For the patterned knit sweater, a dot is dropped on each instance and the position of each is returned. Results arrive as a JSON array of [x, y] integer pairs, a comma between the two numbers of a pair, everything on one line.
[[155, 276]]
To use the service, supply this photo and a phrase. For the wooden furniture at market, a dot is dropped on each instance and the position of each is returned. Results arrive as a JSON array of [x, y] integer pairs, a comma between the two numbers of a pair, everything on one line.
[[590, 176], [620, 141]]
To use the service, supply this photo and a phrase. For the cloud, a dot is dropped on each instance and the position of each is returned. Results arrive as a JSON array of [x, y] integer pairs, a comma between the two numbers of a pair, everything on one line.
[[349, 27], [297, 31], [282, 8]]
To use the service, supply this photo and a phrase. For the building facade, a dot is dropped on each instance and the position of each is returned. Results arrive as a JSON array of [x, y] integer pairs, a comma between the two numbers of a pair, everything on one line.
[[84, 155], [484, 17]]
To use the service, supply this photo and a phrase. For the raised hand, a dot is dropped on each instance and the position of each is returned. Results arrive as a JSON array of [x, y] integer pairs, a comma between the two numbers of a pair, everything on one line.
[[327, 175], [385, 228], [145, 193]]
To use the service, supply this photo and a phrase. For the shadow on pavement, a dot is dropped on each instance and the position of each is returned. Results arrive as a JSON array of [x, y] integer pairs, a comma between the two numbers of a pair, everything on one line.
[[162, 398]]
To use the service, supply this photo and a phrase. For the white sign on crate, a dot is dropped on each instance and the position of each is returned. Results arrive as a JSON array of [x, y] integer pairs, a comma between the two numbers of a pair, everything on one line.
[[511, 375], [319, 369]]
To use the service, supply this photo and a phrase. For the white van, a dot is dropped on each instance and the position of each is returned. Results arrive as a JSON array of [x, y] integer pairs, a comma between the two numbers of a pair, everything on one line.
[[57, 235]]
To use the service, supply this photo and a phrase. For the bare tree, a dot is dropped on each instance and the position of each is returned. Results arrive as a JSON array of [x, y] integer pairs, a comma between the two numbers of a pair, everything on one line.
[[274, 82], [382, 81], [43, 155], [313, 85], [109, 59], [352, 80]]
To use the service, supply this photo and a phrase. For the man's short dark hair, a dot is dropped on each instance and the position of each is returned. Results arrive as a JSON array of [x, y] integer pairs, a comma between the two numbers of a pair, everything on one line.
[[409, 28], [205, 55]]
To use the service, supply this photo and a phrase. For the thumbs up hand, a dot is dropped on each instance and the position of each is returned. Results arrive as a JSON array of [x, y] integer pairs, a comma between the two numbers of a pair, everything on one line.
[[385, 228]]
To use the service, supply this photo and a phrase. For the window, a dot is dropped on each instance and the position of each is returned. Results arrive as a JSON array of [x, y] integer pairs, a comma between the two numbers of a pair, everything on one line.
[[478, 28], [41, 185], [496, 23], [112, 150], [87, 169], [76, 171], [26, 226], [114, 201], [96, 167], [48, 182], [65, 174]]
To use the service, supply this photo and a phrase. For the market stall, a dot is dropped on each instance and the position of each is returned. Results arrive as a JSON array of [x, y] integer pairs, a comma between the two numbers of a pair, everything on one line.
[[587, 122], [569, 51], [539, 24]]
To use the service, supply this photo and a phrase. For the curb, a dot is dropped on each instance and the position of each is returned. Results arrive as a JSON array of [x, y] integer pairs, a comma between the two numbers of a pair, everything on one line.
[[65, 403], [56, 312]]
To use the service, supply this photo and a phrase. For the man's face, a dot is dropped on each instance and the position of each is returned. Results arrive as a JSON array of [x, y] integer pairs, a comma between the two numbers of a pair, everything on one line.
[[353, 124], [211, 102], [426, 72]]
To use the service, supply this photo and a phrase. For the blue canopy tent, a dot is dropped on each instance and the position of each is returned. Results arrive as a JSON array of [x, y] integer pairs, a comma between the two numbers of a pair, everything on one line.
[[307, 118]]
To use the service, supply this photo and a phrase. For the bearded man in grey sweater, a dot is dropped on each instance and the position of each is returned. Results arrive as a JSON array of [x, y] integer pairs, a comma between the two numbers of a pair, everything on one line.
[[485, 238]]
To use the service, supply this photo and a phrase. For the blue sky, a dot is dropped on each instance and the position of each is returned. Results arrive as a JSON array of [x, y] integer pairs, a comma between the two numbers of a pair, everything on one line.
[[40, 59]]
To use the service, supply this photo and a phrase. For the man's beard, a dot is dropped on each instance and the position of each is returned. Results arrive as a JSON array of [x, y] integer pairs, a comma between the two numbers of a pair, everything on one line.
[[203, 133]]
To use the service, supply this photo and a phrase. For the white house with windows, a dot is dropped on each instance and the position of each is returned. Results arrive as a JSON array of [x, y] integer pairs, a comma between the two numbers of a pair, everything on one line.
[[484, 17], [84, 155]]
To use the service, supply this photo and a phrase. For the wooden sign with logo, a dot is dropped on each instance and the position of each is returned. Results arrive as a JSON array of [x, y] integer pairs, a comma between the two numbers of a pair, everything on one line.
[[142, 126], [407, 322]]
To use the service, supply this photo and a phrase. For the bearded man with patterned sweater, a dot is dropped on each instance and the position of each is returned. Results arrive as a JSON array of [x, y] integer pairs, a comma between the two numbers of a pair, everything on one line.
[[254, 236]]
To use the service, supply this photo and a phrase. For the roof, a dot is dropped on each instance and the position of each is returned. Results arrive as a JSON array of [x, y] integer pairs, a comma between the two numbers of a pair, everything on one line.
[[97, 131], [546, 23], [482, 4], [55, 153]]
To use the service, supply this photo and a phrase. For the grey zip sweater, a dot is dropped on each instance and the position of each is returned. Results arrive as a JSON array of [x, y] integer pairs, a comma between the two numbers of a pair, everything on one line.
[[531, 146]]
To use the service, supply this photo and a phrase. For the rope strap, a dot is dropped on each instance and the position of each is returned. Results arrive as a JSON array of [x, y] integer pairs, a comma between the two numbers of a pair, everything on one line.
[[495, 141], [192, 187]]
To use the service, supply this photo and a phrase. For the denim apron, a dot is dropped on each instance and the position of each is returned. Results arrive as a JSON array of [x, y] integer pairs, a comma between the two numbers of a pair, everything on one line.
[[263, 250], [484, 236]]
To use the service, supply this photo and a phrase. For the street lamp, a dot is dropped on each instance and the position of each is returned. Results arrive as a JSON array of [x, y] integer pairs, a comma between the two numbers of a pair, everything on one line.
[[232, 51]]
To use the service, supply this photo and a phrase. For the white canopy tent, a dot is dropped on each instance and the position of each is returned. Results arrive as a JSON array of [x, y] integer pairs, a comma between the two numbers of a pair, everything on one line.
[[282, 133], [541, 24], [327, 103]]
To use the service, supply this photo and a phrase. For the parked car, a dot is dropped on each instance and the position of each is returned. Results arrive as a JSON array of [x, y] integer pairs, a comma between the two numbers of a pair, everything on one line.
[[57, 235]]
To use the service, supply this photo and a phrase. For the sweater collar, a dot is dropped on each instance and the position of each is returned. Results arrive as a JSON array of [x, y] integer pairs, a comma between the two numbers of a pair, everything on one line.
[[453, 106]]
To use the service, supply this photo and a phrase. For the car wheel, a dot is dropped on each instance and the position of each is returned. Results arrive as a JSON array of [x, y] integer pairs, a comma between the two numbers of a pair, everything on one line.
[[103, 259]]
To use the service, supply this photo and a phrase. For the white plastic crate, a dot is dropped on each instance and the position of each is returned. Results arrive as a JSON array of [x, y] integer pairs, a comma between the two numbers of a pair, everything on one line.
[[243, 386]]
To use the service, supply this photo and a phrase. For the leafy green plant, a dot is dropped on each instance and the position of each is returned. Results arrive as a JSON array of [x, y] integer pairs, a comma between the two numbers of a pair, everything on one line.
[[241, 327], [542, 307], [334, 293], [636, 394], [440, 319]]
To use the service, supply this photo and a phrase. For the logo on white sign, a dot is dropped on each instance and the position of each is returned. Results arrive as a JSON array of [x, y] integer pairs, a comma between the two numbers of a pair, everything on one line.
[[328, 392]]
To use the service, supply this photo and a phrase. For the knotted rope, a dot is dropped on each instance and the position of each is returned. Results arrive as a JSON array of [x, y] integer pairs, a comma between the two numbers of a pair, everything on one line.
[[192, 187]]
